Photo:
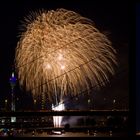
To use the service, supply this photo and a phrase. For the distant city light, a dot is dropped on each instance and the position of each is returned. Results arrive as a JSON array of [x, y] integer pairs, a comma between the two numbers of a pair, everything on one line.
[[89, 100], [6, 101], [114, 101]]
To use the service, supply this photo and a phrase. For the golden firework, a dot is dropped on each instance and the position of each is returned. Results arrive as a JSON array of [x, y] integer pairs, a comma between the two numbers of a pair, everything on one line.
[[63, 53]]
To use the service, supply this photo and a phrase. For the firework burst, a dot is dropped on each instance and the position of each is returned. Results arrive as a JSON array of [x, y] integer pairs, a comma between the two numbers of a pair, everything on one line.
[[62, 53]]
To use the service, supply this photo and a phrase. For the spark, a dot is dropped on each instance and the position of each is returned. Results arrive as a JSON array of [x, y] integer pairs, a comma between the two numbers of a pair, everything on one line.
[[60, 57], [48, 66], [62, 67]]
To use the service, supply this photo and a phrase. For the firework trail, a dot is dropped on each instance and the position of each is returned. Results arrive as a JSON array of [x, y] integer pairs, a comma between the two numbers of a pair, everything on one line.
[[66, 47]]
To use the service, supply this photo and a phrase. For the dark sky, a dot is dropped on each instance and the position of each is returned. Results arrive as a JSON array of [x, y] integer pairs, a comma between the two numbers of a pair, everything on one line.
[[109, 16], [137, 67]]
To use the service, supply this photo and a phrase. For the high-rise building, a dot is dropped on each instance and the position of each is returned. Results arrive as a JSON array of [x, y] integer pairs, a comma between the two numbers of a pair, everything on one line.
[[13, 84]]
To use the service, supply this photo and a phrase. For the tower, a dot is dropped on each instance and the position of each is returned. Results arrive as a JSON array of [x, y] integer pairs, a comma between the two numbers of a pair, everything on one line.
[[13, 84]]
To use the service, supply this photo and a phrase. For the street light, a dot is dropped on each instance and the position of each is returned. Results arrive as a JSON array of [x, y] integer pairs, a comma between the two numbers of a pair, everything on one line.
[[6, 101]]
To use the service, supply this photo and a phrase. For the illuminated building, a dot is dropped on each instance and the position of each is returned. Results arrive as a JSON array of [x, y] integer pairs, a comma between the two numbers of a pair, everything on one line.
[[13, 84]]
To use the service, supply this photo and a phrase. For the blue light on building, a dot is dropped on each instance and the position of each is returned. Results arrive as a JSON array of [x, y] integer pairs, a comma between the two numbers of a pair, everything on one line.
[[13, 84]]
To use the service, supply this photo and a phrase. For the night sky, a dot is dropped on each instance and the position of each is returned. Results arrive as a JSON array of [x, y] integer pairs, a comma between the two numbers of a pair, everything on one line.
[[110, 17], [137, 67]]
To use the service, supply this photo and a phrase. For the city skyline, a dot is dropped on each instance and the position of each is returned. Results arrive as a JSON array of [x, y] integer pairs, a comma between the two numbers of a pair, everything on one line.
[[110, 18], [112, 101]]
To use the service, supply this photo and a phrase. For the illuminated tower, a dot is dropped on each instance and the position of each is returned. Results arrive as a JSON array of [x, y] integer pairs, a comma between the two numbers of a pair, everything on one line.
[[13, 84]]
